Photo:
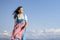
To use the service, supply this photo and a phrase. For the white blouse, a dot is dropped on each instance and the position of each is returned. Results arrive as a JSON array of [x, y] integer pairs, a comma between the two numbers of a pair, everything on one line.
[[25, 17]]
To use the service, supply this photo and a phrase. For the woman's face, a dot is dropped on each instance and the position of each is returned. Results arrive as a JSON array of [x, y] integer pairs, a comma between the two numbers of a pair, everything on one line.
[[20, 10]]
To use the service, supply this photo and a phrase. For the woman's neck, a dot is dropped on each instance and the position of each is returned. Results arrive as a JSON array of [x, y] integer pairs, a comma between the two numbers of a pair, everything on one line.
[[20, 13]]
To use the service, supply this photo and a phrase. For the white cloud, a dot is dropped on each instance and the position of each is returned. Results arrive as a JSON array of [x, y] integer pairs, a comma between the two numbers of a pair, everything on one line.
[[4, 33], [0, 33], [53, 30], [44, 33]]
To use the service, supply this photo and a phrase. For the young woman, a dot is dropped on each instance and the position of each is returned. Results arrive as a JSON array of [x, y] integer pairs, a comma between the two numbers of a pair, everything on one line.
[[20, 24]]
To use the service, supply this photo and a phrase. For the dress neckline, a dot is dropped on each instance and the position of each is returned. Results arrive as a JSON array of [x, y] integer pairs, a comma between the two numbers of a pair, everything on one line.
[[20, 18]]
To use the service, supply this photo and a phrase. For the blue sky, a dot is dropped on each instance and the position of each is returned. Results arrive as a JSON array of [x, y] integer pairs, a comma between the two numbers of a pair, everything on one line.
[[42, 14]]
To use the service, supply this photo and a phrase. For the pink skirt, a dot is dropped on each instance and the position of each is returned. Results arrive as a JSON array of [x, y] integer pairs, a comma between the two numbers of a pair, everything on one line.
[[18, 31]]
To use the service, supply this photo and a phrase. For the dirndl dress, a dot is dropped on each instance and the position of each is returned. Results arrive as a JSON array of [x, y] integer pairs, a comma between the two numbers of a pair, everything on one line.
[[19, 30]]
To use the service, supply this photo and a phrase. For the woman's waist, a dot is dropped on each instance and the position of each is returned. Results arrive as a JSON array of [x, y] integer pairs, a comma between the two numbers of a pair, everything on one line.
[[20, 21]]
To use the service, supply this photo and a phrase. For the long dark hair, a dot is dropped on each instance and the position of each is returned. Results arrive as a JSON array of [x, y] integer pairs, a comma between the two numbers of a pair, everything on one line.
[[15, 13]]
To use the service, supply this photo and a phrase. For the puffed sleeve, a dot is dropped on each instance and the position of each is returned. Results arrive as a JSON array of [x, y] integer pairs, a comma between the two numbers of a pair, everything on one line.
[[26, 17]]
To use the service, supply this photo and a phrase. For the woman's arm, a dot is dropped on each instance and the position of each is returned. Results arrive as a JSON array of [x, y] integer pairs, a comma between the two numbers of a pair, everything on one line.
[[26, 21], [26, 24]]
